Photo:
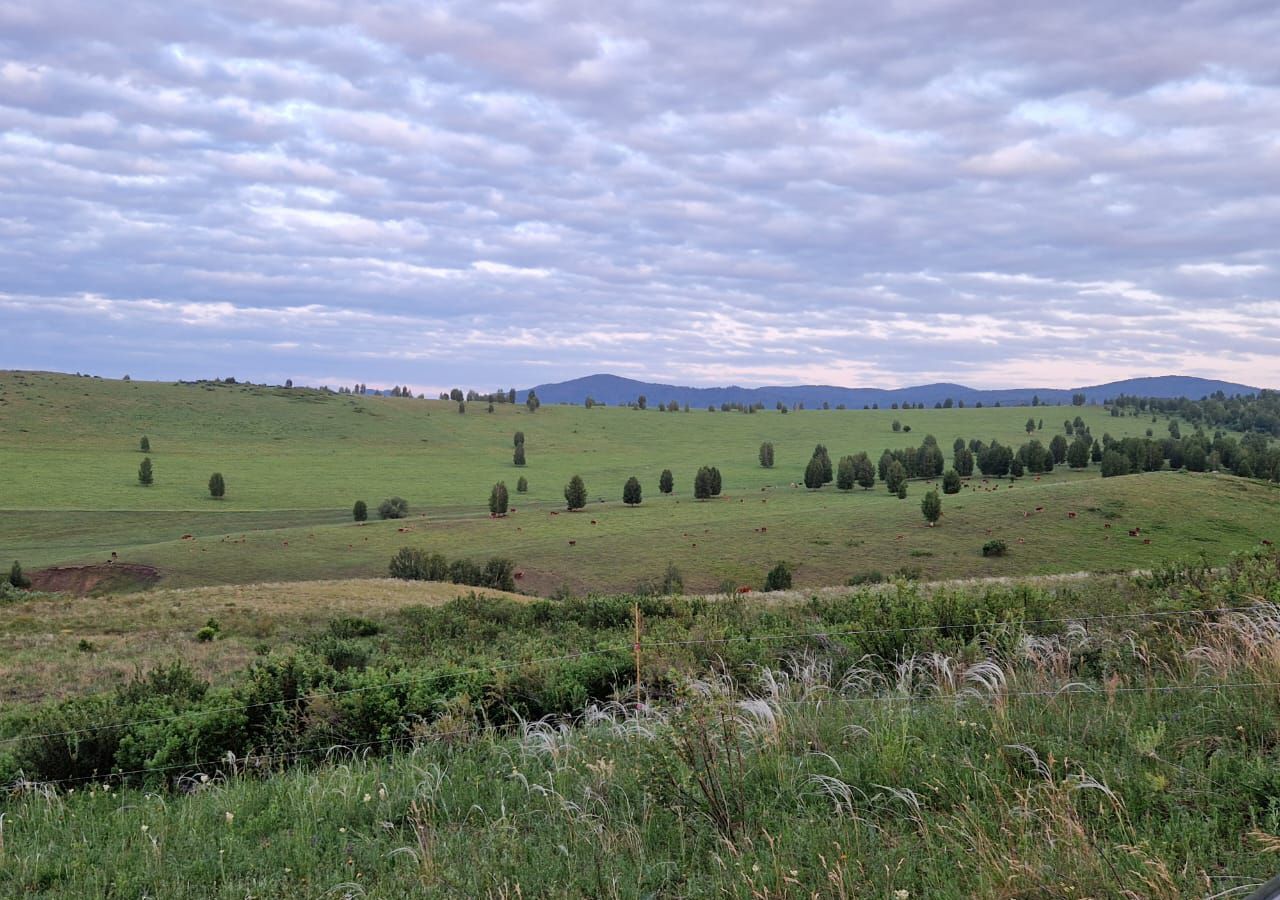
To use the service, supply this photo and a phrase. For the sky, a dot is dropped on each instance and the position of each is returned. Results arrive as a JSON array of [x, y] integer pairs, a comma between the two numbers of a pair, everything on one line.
[[504, 194]]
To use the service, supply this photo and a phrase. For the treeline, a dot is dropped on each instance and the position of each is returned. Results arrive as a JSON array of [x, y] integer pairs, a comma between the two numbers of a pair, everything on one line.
[[1251, 413]]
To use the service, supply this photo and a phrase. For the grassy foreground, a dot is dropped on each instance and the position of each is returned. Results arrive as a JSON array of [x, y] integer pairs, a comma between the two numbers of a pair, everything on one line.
[[1054, 755], [295, 461]]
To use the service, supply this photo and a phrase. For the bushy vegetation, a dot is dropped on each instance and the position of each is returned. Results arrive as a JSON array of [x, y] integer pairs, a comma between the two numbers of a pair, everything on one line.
[[412, 564], [902, 739], [393, 508]]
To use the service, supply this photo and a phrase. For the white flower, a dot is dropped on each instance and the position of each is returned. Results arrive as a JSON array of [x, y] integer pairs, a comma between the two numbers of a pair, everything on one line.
[[230, 817]]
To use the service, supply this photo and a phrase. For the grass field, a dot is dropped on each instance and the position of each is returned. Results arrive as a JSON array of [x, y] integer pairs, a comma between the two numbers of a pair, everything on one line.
[[296, 460], [57, 646]]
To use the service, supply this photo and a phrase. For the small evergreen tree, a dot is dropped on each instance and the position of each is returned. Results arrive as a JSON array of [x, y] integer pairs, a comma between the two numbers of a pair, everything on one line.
[[631, 491], [499, 499], [145, 474], [217, 486], [779, 578], [522, 485], [766, 455], [828, 471], [1058, 447], [1031, 425], [666, 483], [531, 401], [1078, 453], [964, 462], [360, 512], [575, 493], [813, 474], [931, 507], [17, 577], [144, 445], [902, 490], [702, 484], [895, 477], [517, 439], [517, 456], [864, 473], [845, 474], [951, 482], [715, 481]]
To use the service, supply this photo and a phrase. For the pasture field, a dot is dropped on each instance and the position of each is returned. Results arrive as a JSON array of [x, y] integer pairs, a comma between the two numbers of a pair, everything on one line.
[[295, 461]]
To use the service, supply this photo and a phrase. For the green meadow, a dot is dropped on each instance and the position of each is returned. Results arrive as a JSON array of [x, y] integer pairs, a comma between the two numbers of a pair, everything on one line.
[[296, 460]]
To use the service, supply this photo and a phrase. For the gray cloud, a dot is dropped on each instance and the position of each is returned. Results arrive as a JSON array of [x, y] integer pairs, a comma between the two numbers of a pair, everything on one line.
[[502, 194]]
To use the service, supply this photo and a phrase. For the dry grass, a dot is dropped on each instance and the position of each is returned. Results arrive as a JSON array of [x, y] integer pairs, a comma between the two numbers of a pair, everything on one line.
[[42, 655]]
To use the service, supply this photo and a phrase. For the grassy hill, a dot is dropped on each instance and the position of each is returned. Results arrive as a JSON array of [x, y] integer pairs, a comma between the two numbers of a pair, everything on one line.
[[295, 461]]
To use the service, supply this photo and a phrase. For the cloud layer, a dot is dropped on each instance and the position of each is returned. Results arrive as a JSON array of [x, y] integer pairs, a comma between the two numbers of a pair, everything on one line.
[[503, 194]]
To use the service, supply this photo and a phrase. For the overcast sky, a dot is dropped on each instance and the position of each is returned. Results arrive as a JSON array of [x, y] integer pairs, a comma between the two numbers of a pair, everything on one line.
[[497, 194]]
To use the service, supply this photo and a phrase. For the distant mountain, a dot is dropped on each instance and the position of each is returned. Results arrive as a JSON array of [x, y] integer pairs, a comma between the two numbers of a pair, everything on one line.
[[615, 390]]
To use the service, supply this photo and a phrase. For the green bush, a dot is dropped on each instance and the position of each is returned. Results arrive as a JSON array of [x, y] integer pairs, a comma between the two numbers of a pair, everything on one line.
[[779, 578], [995, 548], [393, 508], [353, 626], [360, 512]]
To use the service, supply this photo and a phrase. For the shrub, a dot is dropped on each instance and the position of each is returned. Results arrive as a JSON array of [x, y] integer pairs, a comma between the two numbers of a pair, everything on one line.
[[522, 485], [951, 482], [631, 491], [666, 482], [353, 626], [517, 455], [209, 631], [995, 548], [464, 571], [393, 508], [360, 512], [499, 574], [217, 486], [871, 577], [145, 474], [902, 491], [779, 578], [144, 445], [409, 563]]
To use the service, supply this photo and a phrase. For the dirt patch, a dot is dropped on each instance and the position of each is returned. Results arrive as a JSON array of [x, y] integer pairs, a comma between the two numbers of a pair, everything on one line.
[[98, 579]]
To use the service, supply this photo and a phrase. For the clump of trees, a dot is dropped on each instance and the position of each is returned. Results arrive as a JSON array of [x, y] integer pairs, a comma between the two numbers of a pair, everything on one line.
[[631, 491], [360, 512], [575, 493], [706, 484], [412, 564], [217, 486], [393, 508], [766, 454]]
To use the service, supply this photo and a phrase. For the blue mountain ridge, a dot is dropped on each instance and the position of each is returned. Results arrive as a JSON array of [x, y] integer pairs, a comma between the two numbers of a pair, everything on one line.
[[615, 390]]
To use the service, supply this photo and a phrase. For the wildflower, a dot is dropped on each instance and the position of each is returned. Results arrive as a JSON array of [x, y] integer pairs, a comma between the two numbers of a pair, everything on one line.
[[144, 829], [230, 817], [382, 793], [342, 830], [367, 798], [901, 894]]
